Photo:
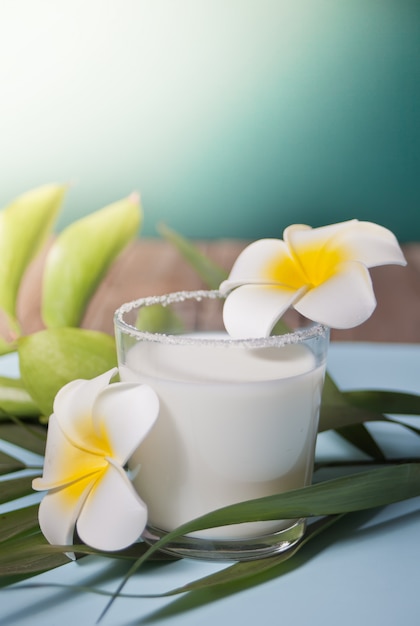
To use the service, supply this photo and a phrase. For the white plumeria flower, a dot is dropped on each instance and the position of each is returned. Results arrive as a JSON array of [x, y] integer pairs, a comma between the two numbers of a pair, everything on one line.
[[93, 431], [321, 272]]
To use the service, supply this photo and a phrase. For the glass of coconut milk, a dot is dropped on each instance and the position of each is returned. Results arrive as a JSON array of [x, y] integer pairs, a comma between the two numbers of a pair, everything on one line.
[[238, 420]]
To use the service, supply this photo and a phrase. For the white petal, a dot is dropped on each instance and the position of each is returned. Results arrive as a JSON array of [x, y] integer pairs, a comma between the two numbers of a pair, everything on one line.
[[370, 244], [113, 516], [64, 463], [253, 310], [299, 236], [344, 301], [59, 510], [249, 266], [124, 413], [73, 409], [366, 242]]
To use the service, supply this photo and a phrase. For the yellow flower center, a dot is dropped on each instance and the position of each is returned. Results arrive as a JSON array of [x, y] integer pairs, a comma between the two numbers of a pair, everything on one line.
[[72, 493], [78, 464], [311, 267]]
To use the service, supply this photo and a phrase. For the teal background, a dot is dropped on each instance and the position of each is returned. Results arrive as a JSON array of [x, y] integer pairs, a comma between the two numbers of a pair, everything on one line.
[[233, 118]]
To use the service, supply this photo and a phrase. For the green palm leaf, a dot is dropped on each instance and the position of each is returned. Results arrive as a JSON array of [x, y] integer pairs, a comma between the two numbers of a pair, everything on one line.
[[17, 522], [382, 401], [15, 488], [24, 556], [9, 464], [30, 437], [364, 490], [210, 273]]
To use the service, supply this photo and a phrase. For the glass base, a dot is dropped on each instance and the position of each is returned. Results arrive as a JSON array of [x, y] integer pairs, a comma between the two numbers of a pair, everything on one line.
[[229, 549]]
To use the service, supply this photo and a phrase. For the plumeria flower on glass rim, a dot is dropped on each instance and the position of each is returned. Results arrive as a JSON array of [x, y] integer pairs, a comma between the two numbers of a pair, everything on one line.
[[321, 272], [93, 431]]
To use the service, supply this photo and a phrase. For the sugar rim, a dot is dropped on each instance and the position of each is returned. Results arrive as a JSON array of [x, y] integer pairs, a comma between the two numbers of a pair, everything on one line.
[[295, 337]]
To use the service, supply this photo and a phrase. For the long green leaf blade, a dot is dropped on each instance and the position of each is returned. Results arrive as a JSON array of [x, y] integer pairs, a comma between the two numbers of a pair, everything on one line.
[[210, 273], [80, 257], [232, 574], [356, 492], [24, 556], [382, 401], [8, 464], [30, 437], [333, 417], [251, 569], [409, 427], [27, 553], [359, 436], [51, 358], [17, 522], [15, 488], [24, 227], [364, 490]]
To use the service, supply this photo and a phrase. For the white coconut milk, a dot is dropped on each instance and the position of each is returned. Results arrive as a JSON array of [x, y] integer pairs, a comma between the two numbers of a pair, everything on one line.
[[235, 424]]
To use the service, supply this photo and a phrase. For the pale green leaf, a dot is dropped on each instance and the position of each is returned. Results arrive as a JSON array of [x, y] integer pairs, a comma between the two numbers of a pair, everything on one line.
[[15, 400], [51, 358], [211, 273], [24, 227], [8, 346], [157, 318], [80, 257], [280, 328]]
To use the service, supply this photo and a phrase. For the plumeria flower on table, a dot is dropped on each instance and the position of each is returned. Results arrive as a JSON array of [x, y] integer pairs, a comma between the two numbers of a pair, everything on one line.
[[93, 431], [321, 272]]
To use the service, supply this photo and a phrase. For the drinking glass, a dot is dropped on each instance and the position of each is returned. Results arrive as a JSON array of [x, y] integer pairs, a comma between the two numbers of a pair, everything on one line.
[[238, 420]]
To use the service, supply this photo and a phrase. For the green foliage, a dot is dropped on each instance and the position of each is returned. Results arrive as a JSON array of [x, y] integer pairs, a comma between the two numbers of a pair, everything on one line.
[[53, 357], [15, 400], [157, 318], [23, 550], [24, 226], [208, 271], [62, 352], [75, 264], [80, 257], [28, 436]]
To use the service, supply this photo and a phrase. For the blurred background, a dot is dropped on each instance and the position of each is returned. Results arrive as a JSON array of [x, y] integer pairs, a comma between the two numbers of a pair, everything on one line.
[[233, 118]]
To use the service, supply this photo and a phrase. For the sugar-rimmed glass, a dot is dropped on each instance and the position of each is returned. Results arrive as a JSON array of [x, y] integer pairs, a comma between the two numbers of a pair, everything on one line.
[[238, 419]]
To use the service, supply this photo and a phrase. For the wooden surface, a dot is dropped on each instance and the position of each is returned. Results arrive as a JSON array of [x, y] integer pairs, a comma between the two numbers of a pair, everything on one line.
[[152, 267]]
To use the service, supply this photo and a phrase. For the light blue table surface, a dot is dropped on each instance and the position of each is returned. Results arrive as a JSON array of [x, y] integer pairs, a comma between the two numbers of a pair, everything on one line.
[[365, 570]]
